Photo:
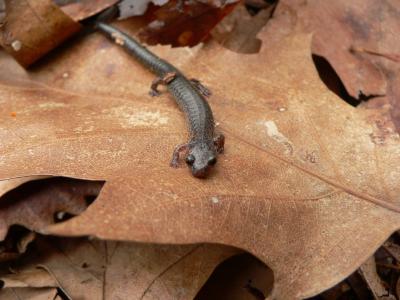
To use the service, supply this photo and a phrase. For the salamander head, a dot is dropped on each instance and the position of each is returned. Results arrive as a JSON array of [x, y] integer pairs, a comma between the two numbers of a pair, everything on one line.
[[201, 158]]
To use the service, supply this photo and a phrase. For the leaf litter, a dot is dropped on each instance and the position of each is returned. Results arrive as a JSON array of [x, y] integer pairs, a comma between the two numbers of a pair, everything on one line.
[[330, 179], [86, 268]]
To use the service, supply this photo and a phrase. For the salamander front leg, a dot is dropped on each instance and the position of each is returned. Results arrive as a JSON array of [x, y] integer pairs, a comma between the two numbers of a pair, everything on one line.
[[161, 80], [219, 142], [200, 87], [175, 156]]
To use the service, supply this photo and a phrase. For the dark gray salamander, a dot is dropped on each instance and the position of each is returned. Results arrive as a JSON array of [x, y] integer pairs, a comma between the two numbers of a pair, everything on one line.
[[204, 145]]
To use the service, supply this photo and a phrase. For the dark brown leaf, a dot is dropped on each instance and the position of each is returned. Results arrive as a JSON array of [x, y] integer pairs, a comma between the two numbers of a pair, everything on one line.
[[186, 26], [32, 28]]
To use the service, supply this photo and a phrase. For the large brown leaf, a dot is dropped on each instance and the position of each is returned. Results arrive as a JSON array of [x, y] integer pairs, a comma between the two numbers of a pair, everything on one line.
[[307, 183]]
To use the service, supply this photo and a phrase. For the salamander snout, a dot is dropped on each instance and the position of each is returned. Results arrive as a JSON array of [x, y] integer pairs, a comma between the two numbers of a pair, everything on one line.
[[201, 159]]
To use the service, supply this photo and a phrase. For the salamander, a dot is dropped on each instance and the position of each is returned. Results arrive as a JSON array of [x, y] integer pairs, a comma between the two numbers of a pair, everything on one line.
[[204, 145]]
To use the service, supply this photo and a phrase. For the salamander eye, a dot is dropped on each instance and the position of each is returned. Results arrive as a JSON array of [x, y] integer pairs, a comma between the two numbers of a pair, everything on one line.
[[212, 161], [190, 159]]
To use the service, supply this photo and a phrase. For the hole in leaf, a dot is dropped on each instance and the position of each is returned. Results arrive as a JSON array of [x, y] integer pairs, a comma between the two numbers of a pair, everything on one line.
[[62, 216], [89, 199], [329, 76], [333, 82], [37, 204], [240, 277]]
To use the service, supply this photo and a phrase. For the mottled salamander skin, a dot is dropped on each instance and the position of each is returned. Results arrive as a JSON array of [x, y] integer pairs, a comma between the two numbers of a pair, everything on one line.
[[204, 145]]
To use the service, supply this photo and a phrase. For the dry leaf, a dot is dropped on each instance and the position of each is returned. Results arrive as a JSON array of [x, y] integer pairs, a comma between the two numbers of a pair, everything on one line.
[[183, 23], [238, 30], [368, 271], [369, 25], [305, 184], [89, 269], [40, 203], [29, 294], [364, 49], [33, 278], [48, 26]]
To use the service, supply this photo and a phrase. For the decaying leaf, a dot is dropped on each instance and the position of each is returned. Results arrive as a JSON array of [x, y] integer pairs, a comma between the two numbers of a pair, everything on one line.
[[40, 203], [368, 271], [239, 29], [30, 293], [362, 24], [46, 27], [90, 269], [184, 23], [38, 277], [307, 183]]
